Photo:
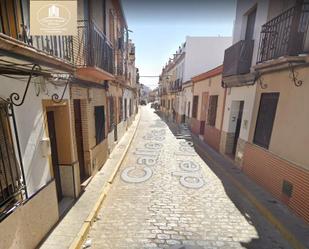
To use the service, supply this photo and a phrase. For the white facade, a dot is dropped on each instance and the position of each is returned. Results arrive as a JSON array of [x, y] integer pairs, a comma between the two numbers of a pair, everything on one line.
[[243, 8], [31, 129], [203, 54], [233, 97], [200, 54]]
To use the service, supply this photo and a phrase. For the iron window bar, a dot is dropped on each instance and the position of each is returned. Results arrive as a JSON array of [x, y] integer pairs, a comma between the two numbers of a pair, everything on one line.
[[12, 178]]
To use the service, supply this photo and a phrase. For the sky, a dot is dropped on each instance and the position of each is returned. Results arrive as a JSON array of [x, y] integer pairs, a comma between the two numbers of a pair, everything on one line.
[[159, 27]]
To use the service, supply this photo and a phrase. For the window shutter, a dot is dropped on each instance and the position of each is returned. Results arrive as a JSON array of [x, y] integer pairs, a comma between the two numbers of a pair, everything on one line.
[[265, 119]]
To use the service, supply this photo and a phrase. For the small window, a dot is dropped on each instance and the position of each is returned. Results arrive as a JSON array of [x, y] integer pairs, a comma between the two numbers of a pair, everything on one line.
[[265, 119], [99, 123], [195, 107], [212, 110]]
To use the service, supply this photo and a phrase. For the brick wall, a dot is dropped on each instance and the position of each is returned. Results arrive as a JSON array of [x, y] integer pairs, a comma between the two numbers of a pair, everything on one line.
[[269, 171], [94, 155], [212, 137]]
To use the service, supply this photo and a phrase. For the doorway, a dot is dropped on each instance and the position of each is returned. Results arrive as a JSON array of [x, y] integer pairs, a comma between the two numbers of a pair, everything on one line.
[[238, 125], [54, 152], [204, 111], [250, 25], [79, 139]]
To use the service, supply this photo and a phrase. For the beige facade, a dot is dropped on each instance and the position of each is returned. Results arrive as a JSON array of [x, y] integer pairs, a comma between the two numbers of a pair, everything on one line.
[[266, 115], [211, 86], [289, 138]]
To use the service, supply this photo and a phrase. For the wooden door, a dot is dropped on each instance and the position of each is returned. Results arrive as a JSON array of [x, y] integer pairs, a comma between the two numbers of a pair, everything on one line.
[[79, 139], [54, 152]]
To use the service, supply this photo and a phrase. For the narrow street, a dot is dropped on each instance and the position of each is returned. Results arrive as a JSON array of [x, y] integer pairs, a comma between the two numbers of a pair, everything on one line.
[[165, 194]]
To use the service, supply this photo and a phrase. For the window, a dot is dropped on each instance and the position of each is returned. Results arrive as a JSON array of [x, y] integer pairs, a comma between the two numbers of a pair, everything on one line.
[[130, 107], [212, 110], [265, 119], [120, 109], [195, 107], [10, 176], [250, 25], [11, 17], [169, 104], [99, 123]]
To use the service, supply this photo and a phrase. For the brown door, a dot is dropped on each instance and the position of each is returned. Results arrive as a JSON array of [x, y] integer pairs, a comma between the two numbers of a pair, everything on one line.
[[54, 152], [204, 112], [79, 140], [238, 126]]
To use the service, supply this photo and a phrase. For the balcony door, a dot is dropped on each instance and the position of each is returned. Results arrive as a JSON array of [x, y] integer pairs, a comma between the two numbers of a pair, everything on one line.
[[250, 25]]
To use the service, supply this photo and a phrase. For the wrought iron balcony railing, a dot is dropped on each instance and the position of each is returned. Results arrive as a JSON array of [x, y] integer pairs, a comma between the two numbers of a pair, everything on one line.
[[238, 58], [57, 46], [286, 34], [92, 48]]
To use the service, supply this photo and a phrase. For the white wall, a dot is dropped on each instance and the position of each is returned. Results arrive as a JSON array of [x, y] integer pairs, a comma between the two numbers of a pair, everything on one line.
[[30, 125], [242, 9], [203, 54], [128, 94], [246, 94]]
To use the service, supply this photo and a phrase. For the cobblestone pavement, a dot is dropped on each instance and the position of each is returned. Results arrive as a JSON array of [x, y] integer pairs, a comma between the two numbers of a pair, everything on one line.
[[164, 194]]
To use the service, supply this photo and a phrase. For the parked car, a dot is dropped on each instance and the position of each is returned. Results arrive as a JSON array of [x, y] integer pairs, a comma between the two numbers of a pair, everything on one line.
[[143, 102], [155, 105]]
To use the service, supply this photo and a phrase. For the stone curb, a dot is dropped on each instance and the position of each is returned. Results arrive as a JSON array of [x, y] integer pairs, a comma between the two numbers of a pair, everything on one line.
[[82, 235], [295, 243]]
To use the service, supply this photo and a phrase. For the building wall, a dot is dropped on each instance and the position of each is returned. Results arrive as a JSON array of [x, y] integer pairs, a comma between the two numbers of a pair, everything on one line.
[[210, 86], [199, 48], [290, 136], [233, 96], [31, 221], [94, 155], [244, 7], [31, 129], [269, 171], [246, 94]]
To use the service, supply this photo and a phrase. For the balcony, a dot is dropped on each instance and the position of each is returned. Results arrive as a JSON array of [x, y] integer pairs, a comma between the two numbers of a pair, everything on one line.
[[93, 53], [238, 58], [57, 46], [286, 34]]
